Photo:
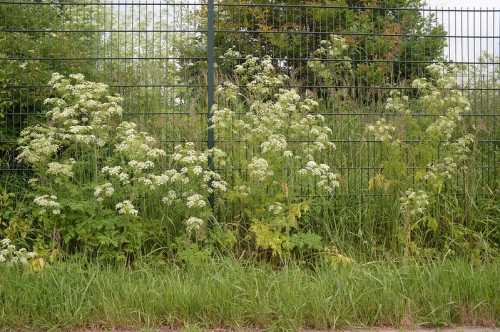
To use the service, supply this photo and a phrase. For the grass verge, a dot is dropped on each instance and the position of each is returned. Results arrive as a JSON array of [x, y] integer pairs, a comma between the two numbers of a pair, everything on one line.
[[229, 293]]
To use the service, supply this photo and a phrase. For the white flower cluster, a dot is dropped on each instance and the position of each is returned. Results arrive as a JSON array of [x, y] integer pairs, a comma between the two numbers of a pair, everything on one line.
[[222, 119], [186, 155], [56, 168], [269, 122], [444, 75], [140, 166], [420, 84], [260, 76], [328, 180], [397, 103], [196, 201], [275, 116], [309, 128], [214, 182], [439, 172], [442, 98], [231, 54], [37, 145], [442, 128], [82, 113], [127, 208], [382, 131], [136, 145], [170, 198], [9, 255], [414, 203], [104, 190], [437, 96], [48, 202], [172, 176], [116, 172], [259, 170], [228, 92], [274, 143], [459, 152], [461, 148], [194, 224]]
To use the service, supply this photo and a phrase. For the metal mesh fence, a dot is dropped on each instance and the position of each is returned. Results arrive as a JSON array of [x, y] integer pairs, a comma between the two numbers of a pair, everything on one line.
[[155, 55]]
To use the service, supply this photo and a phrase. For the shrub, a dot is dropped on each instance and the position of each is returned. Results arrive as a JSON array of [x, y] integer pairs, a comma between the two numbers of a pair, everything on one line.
[[428, 134], [101, 184]]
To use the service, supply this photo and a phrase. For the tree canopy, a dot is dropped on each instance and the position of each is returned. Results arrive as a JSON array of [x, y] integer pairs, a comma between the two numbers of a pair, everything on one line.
[[389, 41]]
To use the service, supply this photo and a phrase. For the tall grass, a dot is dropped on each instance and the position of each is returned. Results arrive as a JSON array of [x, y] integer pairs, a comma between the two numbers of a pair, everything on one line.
[[228, 293]]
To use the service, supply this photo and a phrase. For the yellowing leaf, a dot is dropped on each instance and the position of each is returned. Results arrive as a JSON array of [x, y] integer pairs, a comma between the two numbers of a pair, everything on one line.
[[38, 264], [266, 238]]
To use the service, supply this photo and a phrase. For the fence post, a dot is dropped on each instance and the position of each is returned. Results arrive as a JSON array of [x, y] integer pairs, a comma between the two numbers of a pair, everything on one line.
[[210, 86]]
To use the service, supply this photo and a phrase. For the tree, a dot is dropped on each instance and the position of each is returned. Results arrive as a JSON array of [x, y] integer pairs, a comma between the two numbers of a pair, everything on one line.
[[37, 40], [387, 41]]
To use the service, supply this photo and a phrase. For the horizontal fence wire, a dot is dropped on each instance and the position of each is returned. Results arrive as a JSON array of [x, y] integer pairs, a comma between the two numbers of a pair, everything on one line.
[[155, 55]]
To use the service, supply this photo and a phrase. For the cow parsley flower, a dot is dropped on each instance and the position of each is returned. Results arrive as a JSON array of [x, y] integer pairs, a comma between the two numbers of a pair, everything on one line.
[[170, 198], [442, 128], [56, 168], [219, 185], [326, 179], [382, 131], [275, 143], [196, 201], [194, 224], [38, 144], [10, 255], [414, 203], [140, 166], [104, 190], [48, 202], [113, 171], [197, 170], [397, 103], [127, 208], [259, 169]]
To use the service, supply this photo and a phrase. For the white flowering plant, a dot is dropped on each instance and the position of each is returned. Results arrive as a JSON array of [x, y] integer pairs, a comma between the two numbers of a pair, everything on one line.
[[11, 256], [98, 178], [104, 185], [277, 140], [425, 133]]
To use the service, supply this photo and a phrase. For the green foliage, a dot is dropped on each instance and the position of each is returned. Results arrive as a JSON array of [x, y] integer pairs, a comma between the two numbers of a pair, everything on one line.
[[264, 119], [384, 45], [110, 188], [26, 65], [97, 177], [11, 256], [442, 148], [28, 59], [18, 49], [105, 188]]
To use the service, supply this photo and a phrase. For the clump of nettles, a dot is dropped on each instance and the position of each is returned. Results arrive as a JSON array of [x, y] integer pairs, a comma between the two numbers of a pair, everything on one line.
[[86, 157], [442, 146], [10, 255], [277, 140]]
